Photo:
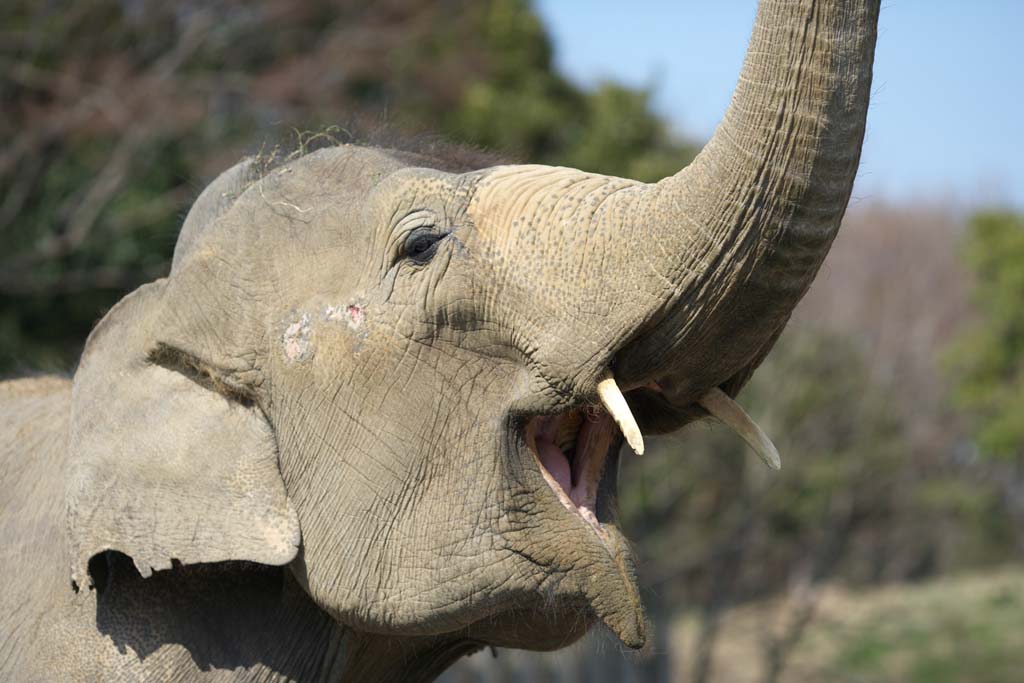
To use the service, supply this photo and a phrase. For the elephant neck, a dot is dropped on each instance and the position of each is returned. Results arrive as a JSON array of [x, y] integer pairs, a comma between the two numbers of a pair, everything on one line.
[[373, 657], [346, 654], [256, 622]]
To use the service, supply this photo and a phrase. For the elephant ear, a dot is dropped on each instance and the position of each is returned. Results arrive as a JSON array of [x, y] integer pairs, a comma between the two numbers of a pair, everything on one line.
[[170, 461], [164, 467], [212, 203]]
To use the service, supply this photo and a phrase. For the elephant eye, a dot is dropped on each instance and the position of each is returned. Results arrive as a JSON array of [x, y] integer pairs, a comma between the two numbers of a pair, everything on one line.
[[421, 244]]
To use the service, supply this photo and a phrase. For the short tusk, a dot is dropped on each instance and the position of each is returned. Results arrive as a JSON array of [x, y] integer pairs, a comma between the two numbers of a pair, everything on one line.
[[729, 413], [615, 403]]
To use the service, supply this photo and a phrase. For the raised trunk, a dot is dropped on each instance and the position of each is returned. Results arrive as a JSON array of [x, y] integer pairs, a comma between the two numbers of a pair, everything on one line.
[[684, 285], [736, 238]]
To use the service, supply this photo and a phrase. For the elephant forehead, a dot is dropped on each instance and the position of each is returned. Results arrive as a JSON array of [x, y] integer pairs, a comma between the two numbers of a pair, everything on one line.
[[350, 179], [259, 192], [347, 170], [535, 202]]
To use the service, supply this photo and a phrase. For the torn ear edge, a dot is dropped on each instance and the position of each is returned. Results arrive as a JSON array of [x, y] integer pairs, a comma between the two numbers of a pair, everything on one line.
[[169, 462]]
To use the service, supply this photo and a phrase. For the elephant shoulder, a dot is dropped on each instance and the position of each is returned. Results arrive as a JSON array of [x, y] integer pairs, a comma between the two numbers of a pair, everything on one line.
[[34, 418], [34, 414]]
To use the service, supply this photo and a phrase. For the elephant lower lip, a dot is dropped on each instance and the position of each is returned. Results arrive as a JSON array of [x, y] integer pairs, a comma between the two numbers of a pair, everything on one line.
[[571, 449]]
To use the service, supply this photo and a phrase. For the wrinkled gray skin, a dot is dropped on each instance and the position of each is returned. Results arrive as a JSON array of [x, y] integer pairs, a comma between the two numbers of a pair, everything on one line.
[[301, 456]]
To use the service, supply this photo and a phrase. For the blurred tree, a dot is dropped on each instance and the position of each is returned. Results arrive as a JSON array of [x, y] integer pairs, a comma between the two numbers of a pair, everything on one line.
[[705, 492], [118, 112], [987, 361], [989, 358], [715, 528]]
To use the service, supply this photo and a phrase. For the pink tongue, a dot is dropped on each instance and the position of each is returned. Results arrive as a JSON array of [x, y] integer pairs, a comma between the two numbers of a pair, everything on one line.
[[555, 463]]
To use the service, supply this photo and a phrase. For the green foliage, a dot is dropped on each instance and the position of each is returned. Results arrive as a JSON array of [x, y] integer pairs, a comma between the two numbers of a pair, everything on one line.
[[120, 112], [989, 359], [527, 109]]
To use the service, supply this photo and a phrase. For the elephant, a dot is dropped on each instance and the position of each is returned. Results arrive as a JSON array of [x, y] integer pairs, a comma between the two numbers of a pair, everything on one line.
[[370, 421]]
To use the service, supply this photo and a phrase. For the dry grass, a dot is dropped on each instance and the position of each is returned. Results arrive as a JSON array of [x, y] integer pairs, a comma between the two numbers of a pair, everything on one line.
[[963, 629]]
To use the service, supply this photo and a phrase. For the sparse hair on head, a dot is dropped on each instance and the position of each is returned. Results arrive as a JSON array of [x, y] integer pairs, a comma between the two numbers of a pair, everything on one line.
[[421, 149]]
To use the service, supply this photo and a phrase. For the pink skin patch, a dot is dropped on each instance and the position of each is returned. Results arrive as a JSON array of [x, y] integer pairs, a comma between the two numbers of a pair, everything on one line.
[[355, 315], [295, 340], [352, 314]]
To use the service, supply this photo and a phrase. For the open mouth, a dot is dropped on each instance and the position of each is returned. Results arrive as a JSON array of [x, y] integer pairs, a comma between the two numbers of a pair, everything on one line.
[[576, 451], [572, 449]]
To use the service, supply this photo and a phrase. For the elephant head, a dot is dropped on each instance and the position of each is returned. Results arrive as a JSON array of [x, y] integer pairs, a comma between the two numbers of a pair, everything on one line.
[[411, 385]]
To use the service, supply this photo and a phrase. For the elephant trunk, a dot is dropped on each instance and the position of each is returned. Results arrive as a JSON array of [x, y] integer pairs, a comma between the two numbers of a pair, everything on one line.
[[734, 240], [682, 286]]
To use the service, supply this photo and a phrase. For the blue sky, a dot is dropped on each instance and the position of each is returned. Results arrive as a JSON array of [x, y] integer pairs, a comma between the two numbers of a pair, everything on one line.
[[947, 114]]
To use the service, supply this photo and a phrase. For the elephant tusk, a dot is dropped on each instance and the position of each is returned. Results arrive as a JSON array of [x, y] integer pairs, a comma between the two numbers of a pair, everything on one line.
[[615, 403], [729, 413]]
